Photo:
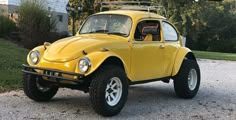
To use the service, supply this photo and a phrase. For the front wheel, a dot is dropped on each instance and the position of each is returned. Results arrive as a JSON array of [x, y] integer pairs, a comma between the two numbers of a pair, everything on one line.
[[36, 91], [108, 90], [187, 81]]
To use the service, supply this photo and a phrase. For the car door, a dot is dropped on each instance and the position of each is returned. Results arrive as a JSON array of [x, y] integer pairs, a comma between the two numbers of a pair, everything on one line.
[[147, 56], [171, 45]]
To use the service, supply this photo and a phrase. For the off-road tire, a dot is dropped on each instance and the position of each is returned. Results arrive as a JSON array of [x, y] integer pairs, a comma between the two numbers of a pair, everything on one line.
[[181, 85], [31, 90], [98, 86]]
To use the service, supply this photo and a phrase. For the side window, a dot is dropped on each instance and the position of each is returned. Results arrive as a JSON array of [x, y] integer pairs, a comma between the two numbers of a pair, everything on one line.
[[151, 27], [170, 33]]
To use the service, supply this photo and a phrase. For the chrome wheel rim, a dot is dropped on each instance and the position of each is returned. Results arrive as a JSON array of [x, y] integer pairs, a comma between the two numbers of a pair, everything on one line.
[[40, 87], [192, 79], [113, 91]]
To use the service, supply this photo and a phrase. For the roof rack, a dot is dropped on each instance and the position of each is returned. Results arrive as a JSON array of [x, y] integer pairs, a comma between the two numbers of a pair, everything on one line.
[[134, 5]]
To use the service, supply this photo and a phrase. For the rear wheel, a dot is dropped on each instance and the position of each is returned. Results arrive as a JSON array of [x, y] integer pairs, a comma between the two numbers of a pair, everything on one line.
[[187, 81], [35, 90], [108, 90]]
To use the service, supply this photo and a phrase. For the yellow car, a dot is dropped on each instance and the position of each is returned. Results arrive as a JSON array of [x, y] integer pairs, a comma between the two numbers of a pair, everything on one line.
[[111, 51]]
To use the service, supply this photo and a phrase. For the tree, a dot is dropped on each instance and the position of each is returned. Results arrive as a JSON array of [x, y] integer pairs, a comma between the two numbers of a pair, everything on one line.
[[34, 22], [207, 24], [220, 27]]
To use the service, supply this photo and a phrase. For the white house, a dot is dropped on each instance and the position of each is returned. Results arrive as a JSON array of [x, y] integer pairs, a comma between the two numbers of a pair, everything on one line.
[[57, 9]]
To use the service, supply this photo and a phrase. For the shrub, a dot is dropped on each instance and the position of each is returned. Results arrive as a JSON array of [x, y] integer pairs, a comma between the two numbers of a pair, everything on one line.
[[6, 26], [34, 22]]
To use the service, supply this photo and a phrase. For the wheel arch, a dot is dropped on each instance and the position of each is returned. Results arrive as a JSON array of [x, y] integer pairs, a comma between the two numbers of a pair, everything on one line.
[[184, 53], [114, 61], [190, 56], [99, 59]]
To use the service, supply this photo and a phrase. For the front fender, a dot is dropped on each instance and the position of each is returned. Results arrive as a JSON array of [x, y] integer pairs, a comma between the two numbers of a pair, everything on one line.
[[98, 57], [183, 51]]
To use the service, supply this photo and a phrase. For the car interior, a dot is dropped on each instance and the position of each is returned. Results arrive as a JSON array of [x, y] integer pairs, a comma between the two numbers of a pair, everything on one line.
[[148, 30]]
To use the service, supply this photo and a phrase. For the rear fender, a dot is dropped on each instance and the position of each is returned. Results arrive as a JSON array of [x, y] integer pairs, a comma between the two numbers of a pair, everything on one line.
[[184, 53]]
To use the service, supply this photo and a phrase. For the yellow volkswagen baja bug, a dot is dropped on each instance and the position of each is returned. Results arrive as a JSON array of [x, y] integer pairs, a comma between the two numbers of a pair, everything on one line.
[[111, 51]]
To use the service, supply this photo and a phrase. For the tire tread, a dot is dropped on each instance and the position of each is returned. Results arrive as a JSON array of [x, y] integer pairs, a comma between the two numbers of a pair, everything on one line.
[[181, 80]]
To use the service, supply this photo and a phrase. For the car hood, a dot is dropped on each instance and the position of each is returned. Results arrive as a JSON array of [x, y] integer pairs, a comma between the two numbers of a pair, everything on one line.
[[71, 48]]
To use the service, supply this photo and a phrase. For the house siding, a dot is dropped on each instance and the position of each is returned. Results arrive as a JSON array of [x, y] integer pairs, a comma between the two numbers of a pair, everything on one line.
[[61, 26], [4, 9], [8, 7]]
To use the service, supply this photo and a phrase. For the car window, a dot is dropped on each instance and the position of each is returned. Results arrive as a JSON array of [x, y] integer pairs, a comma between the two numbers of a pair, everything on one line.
[[170, 33], [147, 27], [107, 24]]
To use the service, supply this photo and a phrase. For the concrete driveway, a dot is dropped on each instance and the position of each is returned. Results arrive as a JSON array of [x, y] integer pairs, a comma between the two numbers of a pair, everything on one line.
[[216, 100]]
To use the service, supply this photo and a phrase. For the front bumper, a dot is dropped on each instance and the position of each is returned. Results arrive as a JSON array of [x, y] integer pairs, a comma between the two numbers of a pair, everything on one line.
[[54, 75]]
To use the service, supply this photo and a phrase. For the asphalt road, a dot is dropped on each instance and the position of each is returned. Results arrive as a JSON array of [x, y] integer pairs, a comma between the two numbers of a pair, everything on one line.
[[216, 100]]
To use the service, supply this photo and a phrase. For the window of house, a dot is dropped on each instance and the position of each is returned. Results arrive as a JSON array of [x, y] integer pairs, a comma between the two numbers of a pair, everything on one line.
[[60, 18]]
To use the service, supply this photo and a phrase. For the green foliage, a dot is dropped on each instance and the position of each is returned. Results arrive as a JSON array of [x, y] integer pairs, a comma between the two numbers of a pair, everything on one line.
[[220, 27], [207, 25], [6, 26], [34, 22], [10, 63]]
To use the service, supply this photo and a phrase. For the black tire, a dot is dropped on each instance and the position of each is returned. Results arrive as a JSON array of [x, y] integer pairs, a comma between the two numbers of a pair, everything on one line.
[[33, 92], [98, 89], [181, 82]]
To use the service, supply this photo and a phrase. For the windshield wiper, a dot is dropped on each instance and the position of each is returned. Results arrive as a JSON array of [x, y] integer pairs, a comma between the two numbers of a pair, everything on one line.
[[99, 31], [117, 33], [106, 32]]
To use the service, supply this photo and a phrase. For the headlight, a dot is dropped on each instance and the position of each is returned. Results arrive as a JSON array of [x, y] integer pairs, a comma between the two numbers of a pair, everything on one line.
[[34, 57], [84, 65]]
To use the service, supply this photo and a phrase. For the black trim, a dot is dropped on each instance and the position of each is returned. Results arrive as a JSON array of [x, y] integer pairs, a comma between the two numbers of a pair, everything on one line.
[[148, 81], [51, 74]]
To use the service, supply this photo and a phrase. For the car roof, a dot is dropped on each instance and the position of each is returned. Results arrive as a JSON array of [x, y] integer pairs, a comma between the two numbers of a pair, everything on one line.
[[136, 15]]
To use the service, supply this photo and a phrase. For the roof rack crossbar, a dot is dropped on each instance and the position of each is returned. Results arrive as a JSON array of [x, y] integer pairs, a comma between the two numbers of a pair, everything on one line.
[[134, 5], [128, 2]]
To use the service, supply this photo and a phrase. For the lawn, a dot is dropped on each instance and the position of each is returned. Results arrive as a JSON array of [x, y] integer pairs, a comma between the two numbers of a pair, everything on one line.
[[215, 55], [11, 59]]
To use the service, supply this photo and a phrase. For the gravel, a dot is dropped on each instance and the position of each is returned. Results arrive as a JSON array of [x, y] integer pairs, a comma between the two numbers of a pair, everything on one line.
[[216, 100]]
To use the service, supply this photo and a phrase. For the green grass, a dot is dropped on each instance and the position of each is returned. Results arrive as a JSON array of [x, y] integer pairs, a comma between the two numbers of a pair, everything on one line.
[[215, 55], [11, 59]]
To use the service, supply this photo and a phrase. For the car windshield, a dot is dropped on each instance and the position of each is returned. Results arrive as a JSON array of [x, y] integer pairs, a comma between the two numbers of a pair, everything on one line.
[[107, 24]]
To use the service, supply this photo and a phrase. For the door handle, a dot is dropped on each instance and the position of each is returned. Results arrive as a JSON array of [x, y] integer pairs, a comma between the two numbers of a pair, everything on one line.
[[162, 46]]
